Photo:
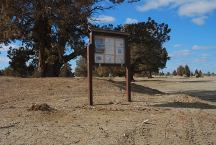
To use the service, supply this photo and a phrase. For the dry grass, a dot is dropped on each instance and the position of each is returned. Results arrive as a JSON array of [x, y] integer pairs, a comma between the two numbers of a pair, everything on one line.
[[165, 111]]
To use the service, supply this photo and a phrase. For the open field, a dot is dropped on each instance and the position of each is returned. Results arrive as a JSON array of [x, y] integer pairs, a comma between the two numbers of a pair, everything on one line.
[[165, 111]]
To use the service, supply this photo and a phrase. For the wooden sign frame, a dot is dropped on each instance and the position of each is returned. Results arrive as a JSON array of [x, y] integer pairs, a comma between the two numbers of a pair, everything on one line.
[[90, 58]]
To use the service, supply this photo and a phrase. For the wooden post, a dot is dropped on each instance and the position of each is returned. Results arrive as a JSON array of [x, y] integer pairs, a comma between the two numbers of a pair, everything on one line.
[[128, 71], [89, 69], [90, 59]]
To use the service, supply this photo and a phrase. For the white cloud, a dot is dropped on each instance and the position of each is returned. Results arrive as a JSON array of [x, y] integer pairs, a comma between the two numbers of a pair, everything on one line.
[[154, 4], [177, 45], [199, 20], [198, 10], [131, 21], [181, 53], [103, 19], [202, 47]]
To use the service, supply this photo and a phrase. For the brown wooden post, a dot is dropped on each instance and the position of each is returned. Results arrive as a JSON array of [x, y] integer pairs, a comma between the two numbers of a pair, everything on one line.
[[91, 62], [89, 69], [128, 71]]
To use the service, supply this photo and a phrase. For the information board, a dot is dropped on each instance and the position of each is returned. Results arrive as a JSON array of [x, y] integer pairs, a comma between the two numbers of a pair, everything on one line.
[[109, 50]]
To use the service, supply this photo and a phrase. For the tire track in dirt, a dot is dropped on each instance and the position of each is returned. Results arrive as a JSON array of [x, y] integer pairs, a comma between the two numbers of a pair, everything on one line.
[[177, 127], [190, 131], [206, 127], [198, 128], [150, 132]]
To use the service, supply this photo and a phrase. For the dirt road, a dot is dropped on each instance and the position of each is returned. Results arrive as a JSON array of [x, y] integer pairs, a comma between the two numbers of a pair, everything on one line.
[[165, 111]]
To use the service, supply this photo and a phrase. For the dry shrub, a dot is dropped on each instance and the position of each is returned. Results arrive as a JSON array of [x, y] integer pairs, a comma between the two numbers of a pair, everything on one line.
[[41, 107]]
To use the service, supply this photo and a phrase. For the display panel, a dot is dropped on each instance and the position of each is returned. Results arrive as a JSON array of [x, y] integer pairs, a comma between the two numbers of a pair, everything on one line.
[[109, 50], [99, 45]]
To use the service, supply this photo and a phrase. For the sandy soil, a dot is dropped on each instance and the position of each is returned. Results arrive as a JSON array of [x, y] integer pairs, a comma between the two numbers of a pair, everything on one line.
[[165, 111]]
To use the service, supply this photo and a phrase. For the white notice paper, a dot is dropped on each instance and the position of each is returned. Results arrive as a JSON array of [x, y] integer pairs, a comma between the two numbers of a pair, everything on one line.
[[99, 58], [119, 59], [109, 59], [99, 44], [109, 46], [119, 43], [120, 51], [109, 50]]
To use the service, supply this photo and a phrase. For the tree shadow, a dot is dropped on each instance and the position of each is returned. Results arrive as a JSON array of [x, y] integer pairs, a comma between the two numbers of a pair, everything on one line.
[[196, 105], [203, 95], [136, 88], [183, 81]]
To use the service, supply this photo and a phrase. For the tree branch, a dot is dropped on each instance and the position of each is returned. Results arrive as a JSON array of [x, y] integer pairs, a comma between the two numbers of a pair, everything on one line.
[[75, 54]]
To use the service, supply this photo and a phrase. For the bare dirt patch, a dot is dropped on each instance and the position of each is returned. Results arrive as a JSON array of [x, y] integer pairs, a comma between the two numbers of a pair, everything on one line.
[[167, 111]]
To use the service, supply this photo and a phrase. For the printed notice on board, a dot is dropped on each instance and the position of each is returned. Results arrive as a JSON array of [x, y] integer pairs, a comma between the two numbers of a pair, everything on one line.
[[99, 58], [109, 50], [109, 59], [99, 44], [109, 46]]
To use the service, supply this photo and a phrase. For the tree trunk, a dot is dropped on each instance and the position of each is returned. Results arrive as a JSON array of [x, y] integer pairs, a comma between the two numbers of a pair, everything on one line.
[[150, 74], [41, 62], [43, 43], [132, 75]]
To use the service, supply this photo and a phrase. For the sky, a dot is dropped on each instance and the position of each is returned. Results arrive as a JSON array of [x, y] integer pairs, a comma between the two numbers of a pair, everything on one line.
[[192, 23]]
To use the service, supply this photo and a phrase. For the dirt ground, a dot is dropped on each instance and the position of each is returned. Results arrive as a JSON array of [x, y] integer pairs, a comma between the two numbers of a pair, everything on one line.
[[165, 111]]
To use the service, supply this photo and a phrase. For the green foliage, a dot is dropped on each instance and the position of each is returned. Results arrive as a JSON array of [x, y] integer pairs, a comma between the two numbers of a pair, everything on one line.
[[20, 61], [102, 71], [174, 73], [50, 28], [198, 73], [208, 74], [168, 74], [180, 70], [81, 67], [161, 74], [8, 71], [118, 71], [106, 71], [183, 71], [66, 71], [146, 43], [187, 71]]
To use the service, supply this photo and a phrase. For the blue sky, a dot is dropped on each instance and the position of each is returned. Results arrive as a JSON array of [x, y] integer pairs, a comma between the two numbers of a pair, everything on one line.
[[193, 36]]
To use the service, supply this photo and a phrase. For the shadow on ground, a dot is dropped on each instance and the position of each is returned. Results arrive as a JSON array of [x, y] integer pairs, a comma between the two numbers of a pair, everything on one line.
[[197, 105], [203, 95], [136, 88], [206, 95], [182, 81]]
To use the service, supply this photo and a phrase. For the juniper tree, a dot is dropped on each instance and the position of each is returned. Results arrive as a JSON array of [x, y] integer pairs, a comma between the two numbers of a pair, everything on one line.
[[146, 43], [174, 73], [21, 61], [180, 70], [187, 71], [49, 27], [81, 67]]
